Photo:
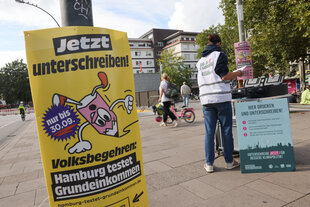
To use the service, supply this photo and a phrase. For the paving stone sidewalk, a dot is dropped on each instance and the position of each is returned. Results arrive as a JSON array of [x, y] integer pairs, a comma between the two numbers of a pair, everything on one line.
[[173, 164]]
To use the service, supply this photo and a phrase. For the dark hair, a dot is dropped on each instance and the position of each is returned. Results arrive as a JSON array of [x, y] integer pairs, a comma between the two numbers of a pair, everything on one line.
[[214, 38]]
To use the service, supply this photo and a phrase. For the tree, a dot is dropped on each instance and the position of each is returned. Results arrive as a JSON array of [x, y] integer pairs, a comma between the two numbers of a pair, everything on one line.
[[274, 32], [173, 65], [14, 82], [278, 31], [300, 9]]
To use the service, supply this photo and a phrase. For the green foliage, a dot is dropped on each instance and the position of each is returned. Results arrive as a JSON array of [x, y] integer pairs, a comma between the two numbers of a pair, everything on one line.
[[14, 82], [279, 32], [300, 10], [173, 65], [275, 37]]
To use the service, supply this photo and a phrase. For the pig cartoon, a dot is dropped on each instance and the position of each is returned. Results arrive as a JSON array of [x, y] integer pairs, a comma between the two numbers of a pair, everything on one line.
[[97, 113]]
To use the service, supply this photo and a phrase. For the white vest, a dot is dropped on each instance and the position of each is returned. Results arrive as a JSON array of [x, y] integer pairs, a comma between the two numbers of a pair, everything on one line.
[[212, 89]]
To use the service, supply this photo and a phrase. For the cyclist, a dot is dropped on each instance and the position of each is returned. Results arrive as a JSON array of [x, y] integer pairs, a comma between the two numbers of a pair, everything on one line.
[[22, 110]]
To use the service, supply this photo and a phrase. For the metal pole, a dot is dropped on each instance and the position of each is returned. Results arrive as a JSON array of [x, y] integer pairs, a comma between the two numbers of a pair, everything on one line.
[[302, 74], [240, 21], [76, 13], [241, 29]]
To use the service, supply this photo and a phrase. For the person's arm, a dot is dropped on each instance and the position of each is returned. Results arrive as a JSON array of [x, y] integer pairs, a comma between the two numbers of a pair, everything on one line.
[[222, 70], [182, 90], [161, 93], [232, 75]]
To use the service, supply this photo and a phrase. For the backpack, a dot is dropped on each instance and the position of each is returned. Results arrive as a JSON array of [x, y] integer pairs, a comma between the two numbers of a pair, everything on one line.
[[172, 91]]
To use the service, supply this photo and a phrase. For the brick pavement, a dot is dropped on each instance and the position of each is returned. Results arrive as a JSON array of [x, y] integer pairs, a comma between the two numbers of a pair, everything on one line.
[[173, 164]]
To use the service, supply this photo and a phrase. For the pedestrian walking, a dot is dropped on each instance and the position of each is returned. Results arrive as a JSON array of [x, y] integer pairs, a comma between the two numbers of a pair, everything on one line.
[[166, 101], [215, 96], [185, 92]]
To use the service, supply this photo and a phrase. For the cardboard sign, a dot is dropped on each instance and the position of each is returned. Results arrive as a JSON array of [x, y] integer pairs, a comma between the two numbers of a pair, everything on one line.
[[291, 85], [264, 135], [83, 91], [244, 59]]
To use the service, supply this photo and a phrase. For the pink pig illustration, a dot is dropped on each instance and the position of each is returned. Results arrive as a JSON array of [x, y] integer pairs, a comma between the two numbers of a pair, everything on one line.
[[97, 113]]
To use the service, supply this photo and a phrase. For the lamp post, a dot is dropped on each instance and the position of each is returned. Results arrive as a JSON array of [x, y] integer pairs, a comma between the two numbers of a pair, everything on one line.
[[241, 29], [76, 13], [24, 2], [240, 20]]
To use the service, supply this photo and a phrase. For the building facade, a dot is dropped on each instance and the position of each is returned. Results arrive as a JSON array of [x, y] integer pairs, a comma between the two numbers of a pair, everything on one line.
[[142, 55], [146, 50], [157, 36], [184, 44]]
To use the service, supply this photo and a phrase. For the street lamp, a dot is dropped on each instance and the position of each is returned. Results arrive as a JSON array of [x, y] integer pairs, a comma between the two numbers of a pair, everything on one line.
[[23, 2]]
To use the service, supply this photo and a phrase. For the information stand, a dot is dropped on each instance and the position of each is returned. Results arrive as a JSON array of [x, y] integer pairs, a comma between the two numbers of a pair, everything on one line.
[[264, 136]]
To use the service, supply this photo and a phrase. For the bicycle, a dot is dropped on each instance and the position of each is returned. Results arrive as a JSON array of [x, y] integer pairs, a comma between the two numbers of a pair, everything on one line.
[[187, 114], [193, 96], [22, 114]]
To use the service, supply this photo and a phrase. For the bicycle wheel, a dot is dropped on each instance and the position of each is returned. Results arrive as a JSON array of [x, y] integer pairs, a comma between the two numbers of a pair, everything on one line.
[[189, 116]]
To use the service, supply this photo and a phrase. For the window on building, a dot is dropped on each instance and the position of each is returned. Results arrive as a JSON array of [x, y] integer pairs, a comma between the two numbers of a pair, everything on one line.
[[149, 62], [141, 45], [137, 53], [149, 44], [148, 53], [150, 71], [137, 62], [131, 44], [158, 52], [185, 47], [160, 44], [187, 57]]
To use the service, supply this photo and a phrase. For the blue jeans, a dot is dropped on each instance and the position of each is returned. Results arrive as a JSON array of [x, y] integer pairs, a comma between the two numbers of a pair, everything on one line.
[[185, 100], [223, 113]]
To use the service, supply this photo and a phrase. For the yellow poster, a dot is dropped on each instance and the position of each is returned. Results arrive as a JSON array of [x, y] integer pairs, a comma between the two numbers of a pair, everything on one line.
[[83, 91]]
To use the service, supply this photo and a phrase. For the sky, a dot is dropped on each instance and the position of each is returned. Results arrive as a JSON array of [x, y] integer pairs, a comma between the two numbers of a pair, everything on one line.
[[135, 17]]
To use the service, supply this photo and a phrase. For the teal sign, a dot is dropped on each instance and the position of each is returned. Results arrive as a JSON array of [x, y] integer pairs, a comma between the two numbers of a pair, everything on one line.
[[265, 137]]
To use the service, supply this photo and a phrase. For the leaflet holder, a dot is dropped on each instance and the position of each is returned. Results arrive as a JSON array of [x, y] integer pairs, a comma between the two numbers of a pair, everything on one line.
[[274, 86], [254, 88], [254, 82], [274, 80], [261, 87]]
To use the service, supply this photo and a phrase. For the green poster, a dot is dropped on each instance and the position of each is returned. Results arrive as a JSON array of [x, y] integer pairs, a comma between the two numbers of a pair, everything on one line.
[[264, 135]]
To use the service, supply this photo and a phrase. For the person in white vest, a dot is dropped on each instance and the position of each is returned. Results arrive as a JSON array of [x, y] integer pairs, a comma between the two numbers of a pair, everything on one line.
[[215, 96]]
